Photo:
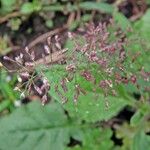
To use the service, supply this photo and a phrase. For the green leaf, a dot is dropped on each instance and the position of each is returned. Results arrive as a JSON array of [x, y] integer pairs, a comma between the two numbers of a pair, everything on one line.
[[49, 23], [14, 23], [27, 8], [36, 127], [121, 20], [86, 17], [90, 107], [96, 139], [141, 141], [6, 89], [47, 127], [7, 5], [141, 28], [102, 7], [143, 25], [74, 25], [148, 1], [136, 118], [93, 107], [4, 104]]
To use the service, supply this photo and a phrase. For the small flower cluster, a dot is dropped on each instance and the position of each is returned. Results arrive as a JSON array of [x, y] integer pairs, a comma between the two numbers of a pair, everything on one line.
[[34, 85], [27, 76]]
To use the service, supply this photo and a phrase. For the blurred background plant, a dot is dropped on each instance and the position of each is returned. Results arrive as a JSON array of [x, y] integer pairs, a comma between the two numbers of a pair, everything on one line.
[[118, 123]]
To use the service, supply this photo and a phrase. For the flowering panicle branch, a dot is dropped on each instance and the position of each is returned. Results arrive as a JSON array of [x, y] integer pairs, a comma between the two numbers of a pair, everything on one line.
[[105, 59], [97, 57]]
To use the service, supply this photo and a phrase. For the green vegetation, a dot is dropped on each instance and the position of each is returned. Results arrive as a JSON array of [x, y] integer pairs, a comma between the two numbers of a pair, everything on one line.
[[93, 121]]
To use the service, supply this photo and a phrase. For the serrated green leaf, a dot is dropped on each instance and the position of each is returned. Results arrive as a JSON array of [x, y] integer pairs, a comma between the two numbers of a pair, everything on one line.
[[93, 107], [90, 107]]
